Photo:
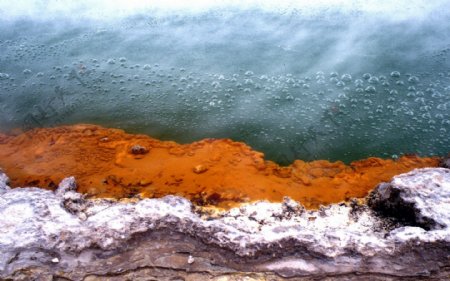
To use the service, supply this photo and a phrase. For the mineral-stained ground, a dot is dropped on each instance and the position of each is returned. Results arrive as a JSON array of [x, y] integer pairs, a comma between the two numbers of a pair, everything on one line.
[[218, 172], [100, 204]]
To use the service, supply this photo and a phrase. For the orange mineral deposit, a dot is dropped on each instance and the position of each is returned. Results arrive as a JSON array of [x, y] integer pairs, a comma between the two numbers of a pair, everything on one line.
[[219, 172]]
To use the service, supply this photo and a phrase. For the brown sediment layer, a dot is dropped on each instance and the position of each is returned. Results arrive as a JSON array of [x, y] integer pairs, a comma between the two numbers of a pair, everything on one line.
[[111, 163]]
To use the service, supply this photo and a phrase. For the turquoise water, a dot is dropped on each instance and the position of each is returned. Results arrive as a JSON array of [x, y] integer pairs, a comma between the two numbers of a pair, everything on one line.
[[319, 83]]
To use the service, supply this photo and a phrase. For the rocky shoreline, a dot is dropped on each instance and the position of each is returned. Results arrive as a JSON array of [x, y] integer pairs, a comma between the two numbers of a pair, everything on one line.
[[61, 235]]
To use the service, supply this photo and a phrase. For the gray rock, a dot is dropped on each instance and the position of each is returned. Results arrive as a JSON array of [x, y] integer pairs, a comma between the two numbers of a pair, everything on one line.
[[4, 180], [445, 162], [66, 185], [72, 201], [46, 236], [419, 198]]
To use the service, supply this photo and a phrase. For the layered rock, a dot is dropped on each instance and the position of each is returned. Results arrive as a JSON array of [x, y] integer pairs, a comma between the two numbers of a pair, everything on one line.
[[61, 235], [218, 172]]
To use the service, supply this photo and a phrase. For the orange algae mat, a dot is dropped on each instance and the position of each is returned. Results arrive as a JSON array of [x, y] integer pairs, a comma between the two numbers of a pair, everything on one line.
[[220, 172]]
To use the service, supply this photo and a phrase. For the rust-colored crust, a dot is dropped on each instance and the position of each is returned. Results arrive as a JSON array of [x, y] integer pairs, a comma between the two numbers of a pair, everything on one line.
[[220, 172]]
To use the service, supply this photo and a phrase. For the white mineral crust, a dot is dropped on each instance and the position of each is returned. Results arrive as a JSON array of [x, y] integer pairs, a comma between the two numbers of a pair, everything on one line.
[[64, 223]]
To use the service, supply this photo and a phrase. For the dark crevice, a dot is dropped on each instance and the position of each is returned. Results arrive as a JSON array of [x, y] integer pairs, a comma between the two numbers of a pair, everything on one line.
[[386, 201]]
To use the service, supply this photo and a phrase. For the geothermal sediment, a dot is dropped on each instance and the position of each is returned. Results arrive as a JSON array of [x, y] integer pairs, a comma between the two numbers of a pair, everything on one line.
[[61, 235], [109, 163]]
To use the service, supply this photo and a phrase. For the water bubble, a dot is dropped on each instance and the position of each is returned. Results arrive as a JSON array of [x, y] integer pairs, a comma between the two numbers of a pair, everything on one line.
[[318, 77], [373, 80], [359, 83], [400, 83], [442, 106], [436, 94], [366, 76], [147, 67], [393, 92], [26, 71], [249, 73], [370, 89], [367, 102], [425, 108], [334, 74], [341, 96], [413, 79], [122, 59], [248, 81], [334, 80], [395, 74], [426, 115], [409, 112], [346, 77], [340, 84], [111, 61], [215, 84], [4, 75]]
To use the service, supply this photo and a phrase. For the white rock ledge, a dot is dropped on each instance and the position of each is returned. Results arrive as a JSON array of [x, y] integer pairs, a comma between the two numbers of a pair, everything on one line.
[[403, 234]]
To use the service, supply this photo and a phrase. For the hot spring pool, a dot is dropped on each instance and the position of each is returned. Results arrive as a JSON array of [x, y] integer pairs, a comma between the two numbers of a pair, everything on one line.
[[296, 81]]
